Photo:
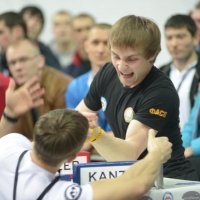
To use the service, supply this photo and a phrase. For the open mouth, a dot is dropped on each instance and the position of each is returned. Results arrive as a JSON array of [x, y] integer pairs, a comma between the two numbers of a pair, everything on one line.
[[127, 75]]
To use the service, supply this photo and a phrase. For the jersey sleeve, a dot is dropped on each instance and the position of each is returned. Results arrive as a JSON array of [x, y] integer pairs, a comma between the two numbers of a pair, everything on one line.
[[158, 108], [93, 98], [64, 190]]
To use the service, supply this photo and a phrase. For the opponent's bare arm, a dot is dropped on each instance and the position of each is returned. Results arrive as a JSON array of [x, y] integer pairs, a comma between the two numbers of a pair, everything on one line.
[[115, 149], [139, 178]]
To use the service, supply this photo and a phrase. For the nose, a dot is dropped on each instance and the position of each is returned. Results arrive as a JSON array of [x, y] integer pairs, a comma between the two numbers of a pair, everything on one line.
[[122, 64], [174, 41], [101, 48], [31, 22]]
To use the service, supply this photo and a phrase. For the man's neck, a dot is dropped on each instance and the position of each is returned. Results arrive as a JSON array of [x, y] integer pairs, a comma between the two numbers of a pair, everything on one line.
[[82, 54], [95, 68], [43, 165], [182, 64], [65, 47]]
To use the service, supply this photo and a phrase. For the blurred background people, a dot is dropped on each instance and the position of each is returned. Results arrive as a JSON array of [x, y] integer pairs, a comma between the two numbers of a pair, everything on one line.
[[4, 82], [195, 14], [34, 19], [98, 54], [191, 136], [81, 24], [25, 61], [184, 69], [12, 28], [62, 45]]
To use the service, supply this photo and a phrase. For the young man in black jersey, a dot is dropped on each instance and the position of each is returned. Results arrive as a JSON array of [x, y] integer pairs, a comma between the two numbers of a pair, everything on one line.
[[135, 96], [58, 137]]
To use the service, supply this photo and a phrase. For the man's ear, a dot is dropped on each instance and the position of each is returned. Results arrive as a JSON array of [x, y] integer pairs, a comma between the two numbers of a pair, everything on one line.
[[152, 59], [18, 32], [41, 61]]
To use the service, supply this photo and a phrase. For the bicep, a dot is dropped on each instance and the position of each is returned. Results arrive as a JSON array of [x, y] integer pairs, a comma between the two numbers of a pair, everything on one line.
[[137, 133], [157, 110]]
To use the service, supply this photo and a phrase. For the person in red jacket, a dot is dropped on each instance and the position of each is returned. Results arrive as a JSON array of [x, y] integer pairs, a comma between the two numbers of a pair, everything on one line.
[[4, 82]]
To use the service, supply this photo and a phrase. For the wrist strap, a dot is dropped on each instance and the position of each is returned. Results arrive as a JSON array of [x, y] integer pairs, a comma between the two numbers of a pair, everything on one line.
[[99, 135], [10, 119]]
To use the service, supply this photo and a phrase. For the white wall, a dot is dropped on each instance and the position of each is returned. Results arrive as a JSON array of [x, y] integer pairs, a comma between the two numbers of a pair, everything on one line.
[[108, 11]]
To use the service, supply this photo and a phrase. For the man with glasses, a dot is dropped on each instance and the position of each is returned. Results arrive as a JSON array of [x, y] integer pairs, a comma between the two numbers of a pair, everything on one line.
[[13, 28], [25, 61]]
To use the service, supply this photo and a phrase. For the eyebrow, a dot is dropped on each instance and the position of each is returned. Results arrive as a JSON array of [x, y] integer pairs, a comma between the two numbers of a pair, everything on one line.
[[132, 55]]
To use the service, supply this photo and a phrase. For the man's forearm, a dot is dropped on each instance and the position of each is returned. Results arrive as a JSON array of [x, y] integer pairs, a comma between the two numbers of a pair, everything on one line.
[[145, 171], [133, 184], [115, 149], [86, 147]]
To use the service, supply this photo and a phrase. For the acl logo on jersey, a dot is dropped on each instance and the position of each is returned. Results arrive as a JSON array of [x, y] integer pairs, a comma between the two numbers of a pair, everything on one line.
[[103, 103], [128, 114], [73, 192]]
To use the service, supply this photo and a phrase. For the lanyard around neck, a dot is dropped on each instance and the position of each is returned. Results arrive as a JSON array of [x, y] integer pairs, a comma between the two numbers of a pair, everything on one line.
[[185, 75], [16, 180]]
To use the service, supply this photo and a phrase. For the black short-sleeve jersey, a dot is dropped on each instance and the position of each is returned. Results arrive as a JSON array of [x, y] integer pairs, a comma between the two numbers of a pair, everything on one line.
[[154, 102]]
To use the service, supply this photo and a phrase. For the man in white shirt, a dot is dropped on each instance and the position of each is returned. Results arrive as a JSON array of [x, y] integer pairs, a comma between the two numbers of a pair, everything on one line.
[[28, 173], [184, 69]]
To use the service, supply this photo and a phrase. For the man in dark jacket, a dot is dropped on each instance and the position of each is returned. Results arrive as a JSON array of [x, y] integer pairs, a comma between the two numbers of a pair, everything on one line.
[[81, 25], [184, 69], [34, 20]]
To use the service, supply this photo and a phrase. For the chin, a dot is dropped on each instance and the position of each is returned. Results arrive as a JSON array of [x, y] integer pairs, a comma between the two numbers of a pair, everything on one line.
[[20, 83]]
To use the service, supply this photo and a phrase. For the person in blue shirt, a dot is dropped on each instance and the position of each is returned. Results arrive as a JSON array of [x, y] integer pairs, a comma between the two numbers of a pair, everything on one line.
[[191, 136], [191, 131], [98, 54]]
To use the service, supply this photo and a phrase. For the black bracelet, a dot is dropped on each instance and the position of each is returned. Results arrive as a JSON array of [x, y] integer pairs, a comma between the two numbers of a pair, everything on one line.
[[10, 119]]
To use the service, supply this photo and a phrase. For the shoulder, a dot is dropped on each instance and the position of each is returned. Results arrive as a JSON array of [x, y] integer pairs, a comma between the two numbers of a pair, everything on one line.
[[158, 84], [83, 77], [80, 82], [43, 48], [107, 71], [160, 79], [14, 140], [166, 67], [108, 67], [52, 76]]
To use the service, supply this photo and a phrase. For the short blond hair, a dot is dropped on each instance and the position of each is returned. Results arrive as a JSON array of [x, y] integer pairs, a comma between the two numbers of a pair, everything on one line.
[[136, 32], [28, 41]]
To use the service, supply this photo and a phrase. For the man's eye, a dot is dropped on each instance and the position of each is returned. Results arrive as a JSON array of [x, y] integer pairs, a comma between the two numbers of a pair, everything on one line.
[[23, 59], [11, 63], [95, 42]]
